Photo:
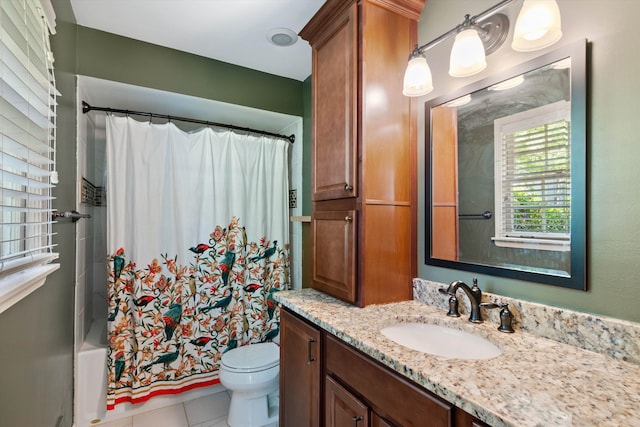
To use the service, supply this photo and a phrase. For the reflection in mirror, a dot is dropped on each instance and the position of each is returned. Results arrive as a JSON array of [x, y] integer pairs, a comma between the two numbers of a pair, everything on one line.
[[507, 164]]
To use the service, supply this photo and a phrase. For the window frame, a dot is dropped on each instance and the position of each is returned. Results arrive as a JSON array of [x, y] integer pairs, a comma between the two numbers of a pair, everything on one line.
[[518, 122], [27, 148]]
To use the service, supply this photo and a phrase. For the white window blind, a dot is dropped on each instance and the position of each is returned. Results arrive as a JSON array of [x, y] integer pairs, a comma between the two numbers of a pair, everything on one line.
[[533, 178], [27, 132]]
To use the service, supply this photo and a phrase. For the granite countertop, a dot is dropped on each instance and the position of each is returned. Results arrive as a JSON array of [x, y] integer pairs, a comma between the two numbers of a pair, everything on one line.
[[535, 382]]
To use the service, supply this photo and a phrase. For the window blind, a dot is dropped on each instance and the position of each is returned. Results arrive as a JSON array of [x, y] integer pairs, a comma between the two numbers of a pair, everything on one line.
[[536, 180], [533, 178], [27, 132]]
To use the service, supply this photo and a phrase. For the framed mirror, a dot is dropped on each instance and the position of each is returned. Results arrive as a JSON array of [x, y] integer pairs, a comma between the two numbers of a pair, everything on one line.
[[506, 173]]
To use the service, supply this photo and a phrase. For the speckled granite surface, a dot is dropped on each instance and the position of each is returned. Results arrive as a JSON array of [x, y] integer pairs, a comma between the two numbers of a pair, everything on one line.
[[613, 337], [535, 382]]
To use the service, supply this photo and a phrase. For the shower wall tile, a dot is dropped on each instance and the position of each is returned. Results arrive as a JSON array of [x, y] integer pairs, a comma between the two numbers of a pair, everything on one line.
[[99, 305], [81, 246], [98, 285], [295, 182], [79, 338]]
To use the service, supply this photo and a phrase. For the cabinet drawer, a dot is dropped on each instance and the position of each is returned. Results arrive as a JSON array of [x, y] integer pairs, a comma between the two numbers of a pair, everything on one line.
[[388, 394]]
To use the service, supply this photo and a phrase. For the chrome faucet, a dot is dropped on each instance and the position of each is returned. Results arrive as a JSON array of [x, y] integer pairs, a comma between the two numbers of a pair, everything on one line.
[[473, 293]]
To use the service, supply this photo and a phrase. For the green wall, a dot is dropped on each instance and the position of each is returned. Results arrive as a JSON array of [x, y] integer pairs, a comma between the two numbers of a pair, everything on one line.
[[111, 57], [36, 388], [613, 254]]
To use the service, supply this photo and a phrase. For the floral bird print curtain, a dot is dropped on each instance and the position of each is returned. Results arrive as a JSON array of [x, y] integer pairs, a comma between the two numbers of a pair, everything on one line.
[[179, 301]]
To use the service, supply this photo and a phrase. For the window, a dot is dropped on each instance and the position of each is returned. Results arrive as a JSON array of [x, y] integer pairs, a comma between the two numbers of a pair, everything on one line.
[[27, 144], [533, 178]]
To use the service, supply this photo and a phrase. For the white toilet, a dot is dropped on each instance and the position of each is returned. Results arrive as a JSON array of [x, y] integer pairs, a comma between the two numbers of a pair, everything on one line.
[[251, 373]]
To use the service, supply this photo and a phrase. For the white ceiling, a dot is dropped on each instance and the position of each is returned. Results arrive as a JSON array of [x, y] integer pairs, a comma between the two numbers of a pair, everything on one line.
[[233, 31]]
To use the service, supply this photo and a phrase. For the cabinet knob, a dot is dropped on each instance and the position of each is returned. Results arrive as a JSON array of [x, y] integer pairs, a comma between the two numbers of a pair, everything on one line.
[[348, 187], [309, 358], [348, 218], [355, 421]]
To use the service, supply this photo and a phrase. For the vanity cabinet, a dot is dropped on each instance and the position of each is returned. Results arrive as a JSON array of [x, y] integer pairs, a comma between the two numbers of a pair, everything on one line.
[[394, 400], [326, 382], [300, 372], [364, 155]]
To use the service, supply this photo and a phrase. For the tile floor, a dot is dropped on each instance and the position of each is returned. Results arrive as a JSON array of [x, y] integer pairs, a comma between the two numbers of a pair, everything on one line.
[[207, 411]]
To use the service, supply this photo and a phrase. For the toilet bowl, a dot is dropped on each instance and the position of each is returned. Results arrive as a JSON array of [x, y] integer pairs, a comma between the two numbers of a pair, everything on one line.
[[251, 373]]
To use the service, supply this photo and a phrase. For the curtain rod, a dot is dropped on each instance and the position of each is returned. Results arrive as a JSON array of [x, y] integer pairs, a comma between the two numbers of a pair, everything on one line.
[[86, 108]]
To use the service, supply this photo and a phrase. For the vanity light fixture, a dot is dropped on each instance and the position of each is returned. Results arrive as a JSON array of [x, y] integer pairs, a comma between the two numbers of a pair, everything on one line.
[[537, 27]]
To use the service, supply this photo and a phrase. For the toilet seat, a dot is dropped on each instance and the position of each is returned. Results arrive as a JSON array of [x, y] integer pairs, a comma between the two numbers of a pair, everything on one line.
[[252, 358]]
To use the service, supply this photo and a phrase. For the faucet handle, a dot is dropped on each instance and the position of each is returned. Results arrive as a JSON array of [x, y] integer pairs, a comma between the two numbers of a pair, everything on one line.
[[506, 317], [453, 303], [453, 307], [489, 305]]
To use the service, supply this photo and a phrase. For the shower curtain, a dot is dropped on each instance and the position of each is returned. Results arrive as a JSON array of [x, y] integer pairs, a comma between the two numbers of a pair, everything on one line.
[[198, 242]]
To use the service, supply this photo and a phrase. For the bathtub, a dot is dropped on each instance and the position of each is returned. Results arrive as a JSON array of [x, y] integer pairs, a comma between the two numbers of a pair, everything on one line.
[[91, 391]]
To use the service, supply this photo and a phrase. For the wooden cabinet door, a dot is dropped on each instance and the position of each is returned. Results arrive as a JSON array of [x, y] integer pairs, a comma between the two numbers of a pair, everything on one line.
[[342, 409], [387, 393], [464, 419], [333, 268], [334, 74], [300, 386], [376, 421]]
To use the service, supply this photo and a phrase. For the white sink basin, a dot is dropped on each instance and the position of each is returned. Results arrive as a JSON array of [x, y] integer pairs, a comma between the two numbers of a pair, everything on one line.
[[441, 341]]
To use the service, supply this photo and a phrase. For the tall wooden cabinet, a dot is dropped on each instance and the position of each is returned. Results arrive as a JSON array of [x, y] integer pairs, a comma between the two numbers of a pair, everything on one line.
[[364, 150]]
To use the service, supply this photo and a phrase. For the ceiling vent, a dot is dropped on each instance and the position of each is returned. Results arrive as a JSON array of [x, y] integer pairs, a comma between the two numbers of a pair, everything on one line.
[[282, 37]]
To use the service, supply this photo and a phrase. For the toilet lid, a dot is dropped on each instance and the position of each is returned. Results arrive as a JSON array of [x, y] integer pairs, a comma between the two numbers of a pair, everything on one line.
[[252, 357]]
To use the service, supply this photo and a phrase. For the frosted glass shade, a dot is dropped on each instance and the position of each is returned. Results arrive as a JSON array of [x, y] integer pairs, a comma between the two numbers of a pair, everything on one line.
[[467, 54], [538, 25], [417, 77]]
